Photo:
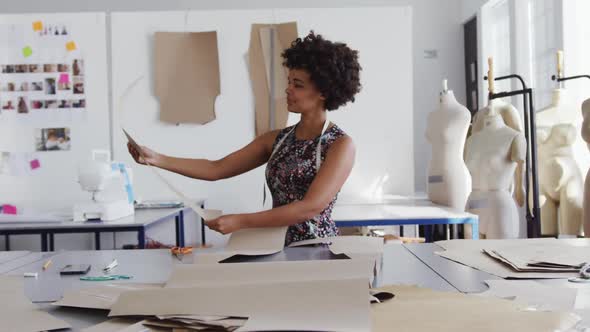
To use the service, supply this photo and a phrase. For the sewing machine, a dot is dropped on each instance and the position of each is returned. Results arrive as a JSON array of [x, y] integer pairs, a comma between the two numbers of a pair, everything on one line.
[[110, 184]]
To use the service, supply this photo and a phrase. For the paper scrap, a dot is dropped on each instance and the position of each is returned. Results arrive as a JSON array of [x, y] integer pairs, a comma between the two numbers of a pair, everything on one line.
[[533, 294], [37, 26], [8, 209], [479, 314], [260, 68], [187, 78], [99, 297], [115, 324], [35, 163], [17, 313], [338, 305], [71, 46], [27, 51], [64, 78], [191, 275]]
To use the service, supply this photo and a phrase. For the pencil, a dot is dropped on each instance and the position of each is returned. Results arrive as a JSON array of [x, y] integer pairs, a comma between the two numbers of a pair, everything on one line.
[[46, 265]]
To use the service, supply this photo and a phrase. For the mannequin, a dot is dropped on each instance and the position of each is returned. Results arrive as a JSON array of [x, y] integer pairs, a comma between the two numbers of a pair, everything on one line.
[[495, 155], [560, 179], [449, 181], [586, 137]]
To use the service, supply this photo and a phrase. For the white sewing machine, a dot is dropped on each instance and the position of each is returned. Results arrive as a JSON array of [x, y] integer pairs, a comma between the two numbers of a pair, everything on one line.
[[111, 186]]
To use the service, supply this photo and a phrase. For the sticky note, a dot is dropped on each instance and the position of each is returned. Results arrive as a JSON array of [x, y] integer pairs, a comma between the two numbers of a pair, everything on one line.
[[64, 78], [35, 164], [71, 46], [37, 26], [27, 51], [8, 209]]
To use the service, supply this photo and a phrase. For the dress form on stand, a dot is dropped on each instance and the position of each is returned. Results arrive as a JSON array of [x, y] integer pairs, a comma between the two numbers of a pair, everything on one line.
[[495, 154], [449, 181], [586, 137], [560, 179]]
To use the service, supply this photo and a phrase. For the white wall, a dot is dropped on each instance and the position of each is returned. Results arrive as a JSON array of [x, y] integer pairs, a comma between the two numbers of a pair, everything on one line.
[[436, 25]]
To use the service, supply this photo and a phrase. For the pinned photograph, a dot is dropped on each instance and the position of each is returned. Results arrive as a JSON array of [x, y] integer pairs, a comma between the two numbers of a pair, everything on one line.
[[24, 86], [36, 86], [22, 105], [7, 69], [21, 69], [36, 104], [79, 103], [50, 104], [63, 68], [8, 87], [49, 68], [52, 139], [65, 104], [50, 86], [62, 86], [35, 69], [78, 67], [78, 85], [8, 105]]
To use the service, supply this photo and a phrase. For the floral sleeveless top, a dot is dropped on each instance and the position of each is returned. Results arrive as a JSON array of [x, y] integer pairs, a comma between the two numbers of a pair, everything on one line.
[[290, 172]]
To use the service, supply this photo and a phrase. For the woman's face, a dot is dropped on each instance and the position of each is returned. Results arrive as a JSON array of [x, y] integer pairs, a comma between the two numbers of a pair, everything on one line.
[[302, 95]]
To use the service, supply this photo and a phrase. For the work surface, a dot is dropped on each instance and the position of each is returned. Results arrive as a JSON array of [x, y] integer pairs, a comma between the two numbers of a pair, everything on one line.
[[402, 264]]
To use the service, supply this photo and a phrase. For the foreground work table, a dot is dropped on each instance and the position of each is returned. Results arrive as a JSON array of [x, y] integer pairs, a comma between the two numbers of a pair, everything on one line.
[[140, 222], [469, 280], [154, 266]]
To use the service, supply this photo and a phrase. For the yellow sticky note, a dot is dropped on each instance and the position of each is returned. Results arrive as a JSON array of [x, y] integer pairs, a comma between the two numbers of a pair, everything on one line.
[[37, 26], [70, 46], [27, 51]]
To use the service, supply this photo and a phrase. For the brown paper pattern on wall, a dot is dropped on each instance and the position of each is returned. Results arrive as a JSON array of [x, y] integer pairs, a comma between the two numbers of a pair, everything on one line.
[[186, 76], [260, 72]]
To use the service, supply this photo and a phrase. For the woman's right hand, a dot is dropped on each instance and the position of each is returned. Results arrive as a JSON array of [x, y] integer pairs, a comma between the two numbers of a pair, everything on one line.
[[145, 156]]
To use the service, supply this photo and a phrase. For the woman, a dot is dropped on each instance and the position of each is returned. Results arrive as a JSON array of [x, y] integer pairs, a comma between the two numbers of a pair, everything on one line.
[[322, 77]]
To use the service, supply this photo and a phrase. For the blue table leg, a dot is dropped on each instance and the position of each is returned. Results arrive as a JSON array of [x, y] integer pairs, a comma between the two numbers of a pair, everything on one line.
[[141, 238], [475, 230], [177, 229], [181, 221]]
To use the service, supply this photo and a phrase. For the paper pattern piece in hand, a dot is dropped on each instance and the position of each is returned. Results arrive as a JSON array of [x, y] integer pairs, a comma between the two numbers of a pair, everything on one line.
[[261, 64], [186, 76], [480, 314], [257, 241], [338, 305], [205, 214]]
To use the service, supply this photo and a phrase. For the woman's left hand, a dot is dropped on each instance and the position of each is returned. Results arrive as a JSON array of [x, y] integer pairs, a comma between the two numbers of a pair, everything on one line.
[[226, 224]]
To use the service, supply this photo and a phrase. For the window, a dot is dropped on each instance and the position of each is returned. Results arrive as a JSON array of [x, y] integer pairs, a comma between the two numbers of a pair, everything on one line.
[[545, 18]]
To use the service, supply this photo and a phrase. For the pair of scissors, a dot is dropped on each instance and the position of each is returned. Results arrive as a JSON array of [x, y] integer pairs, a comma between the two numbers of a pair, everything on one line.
[[584, 274], [179, 252]]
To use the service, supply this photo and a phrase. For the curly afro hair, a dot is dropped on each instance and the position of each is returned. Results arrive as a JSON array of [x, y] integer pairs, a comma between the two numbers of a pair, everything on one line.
[[333, 67]]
